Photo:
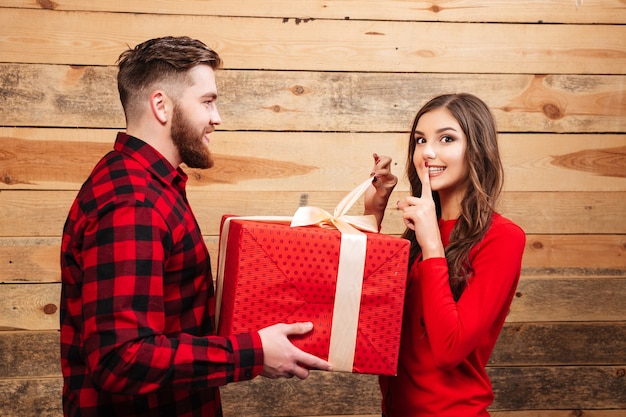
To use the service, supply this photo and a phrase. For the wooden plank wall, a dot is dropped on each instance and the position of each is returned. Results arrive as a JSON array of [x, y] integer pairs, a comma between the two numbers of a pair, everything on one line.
[[310, 89]]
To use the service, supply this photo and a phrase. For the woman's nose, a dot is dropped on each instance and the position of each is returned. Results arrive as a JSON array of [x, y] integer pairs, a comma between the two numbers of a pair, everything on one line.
[[428, 152]]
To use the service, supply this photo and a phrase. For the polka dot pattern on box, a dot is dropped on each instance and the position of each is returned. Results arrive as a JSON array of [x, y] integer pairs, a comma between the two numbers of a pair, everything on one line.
[[289, 274]]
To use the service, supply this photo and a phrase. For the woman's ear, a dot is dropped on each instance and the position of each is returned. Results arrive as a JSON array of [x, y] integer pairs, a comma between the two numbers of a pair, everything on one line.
[[159, 105]]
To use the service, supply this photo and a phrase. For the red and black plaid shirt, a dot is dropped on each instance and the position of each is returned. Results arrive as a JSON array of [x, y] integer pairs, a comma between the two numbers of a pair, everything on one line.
[[137, 306]]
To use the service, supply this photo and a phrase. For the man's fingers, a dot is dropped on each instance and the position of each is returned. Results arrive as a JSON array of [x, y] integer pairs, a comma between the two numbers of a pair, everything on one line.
[[307, 361]]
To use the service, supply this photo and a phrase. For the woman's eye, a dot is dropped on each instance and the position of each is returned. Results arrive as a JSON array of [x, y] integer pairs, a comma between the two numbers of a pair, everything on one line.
[[420, 140], [447, 138]]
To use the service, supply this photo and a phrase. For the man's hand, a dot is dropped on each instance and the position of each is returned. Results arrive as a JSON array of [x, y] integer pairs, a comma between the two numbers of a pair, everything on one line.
[[282, 358]]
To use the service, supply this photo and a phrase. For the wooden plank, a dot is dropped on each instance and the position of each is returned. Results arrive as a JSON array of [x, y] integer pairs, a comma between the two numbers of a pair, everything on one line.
[[29, 306], [34, 306], [575, 252], [552, 299], [557, 343], [29, 354], [85, 96], [61, 159], [563, 162], [321, 394], [31, 397], [565, 387], [43, 213], [85, 38], [24, 259], [515, 389], [559, 11], [566, 212], [30, 259], [42, 397]]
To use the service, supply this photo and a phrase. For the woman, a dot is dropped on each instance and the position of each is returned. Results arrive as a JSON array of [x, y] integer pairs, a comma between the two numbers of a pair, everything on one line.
[[464, 265]]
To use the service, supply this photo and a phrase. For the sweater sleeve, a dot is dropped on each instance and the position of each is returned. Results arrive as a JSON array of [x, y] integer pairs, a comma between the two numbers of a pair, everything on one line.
[[457, 328]]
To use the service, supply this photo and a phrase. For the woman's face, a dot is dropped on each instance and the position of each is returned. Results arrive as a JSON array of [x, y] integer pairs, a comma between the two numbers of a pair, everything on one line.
[[441, 144]]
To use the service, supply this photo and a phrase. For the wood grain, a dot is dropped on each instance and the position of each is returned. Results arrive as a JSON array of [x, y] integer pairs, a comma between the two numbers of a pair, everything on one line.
[[86, 96], [559, 11], [32, 397], [515, 388], [42, 397], [309, 91], [31, 366], [29, 307], [36, 306], [85, 38], [28, 260], [553, 252], [36, 353], [565, 387], [42, 213], [557, 343], [563, 299], [61, 159]]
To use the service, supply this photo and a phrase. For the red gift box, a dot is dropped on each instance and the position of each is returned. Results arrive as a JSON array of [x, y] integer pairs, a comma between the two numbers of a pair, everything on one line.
[[273, 273]]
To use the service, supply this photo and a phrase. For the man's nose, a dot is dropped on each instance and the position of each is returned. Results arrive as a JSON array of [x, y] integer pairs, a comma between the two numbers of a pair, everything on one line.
[[215, 118]]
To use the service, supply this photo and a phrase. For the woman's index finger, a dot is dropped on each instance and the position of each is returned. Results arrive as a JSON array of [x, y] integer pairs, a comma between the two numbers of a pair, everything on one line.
[[425, 179]]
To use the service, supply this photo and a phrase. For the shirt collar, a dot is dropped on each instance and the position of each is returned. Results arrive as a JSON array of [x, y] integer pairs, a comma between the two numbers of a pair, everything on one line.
[[150, 158]]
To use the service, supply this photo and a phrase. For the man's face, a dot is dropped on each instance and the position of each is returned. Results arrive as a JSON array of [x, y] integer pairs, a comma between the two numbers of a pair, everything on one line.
[[194, 118]]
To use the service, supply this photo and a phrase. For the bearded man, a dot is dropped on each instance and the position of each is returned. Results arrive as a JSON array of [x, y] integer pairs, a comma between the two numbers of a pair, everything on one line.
[[137, 301]]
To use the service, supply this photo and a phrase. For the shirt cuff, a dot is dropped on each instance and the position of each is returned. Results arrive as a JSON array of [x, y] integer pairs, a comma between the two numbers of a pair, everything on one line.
[[250, 351]]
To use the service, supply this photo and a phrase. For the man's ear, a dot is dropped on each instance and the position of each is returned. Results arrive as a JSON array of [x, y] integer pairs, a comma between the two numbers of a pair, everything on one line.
[[160, 106]]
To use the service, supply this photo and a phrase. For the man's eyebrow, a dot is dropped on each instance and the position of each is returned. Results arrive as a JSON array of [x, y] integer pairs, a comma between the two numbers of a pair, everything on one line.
[[210, 94]]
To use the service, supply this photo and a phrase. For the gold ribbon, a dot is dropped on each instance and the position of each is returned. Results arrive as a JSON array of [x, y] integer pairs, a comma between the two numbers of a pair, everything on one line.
[[349, 271]]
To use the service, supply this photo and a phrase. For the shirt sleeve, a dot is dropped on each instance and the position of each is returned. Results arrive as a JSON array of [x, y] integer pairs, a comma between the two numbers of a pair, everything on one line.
[[124, 337], [457, 328]]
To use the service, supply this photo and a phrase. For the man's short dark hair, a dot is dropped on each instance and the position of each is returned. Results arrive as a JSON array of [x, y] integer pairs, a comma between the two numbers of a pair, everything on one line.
[[160, 62]]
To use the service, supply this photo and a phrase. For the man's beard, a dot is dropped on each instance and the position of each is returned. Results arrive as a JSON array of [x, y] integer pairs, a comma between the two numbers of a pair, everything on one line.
[[190, 144]]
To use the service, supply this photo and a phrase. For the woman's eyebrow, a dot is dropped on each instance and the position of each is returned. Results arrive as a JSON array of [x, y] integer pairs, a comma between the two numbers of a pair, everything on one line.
[[443, 129]]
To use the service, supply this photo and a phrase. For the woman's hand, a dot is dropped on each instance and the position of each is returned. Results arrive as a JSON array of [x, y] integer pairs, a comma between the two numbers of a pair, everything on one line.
[[383, 183], [420, 215]]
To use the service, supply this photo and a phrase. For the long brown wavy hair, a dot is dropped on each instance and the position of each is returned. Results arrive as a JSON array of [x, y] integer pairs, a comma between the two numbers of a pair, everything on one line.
[[485, 181]]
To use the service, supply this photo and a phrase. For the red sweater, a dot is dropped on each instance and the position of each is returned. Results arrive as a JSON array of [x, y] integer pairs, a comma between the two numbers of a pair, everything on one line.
[[445, 345]]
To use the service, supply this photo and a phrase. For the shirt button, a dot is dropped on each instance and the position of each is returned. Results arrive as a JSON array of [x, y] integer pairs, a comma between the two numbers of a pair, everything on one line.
[[248, 373]]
